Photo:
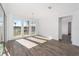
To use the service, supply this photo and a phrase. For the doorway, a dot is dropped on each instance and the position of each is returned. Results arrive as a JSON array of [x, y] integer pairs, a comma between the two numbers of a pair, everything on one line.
[[65, 24]]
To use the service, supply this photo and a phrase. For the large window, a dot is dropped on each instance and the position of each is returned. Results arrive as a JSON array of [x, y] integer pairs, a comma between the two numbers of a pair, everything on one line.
[[17, 27], [23, 27]]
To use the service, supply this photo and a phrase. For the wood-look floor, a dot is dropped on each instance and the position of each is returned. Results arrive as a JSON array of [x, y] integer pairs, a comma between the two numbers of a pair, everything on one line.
[[50, 48], [66, 39]]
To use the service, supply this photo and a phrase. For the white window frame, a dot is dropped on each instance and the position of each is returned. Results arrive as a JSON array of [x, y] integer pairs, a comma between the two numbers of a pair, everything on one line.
[[22, 30]]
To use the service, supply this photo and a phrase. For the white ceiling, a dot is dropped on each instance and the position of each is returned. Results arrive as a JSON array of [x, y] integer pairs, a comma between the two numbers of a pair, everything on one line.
[[28, 9]]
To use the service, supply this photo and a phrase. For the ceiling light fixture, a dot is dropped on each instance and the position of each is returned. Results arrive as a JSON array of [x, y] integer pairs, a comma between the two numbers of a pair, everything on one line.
[[49, 7]]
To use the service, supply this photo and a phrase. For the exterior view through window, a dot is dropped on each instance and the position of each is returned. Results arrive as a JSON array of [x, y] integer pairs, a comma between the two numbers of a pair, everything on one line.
[[17, 27], [26, 27], [22, 27], [1, 35], [1, 31]]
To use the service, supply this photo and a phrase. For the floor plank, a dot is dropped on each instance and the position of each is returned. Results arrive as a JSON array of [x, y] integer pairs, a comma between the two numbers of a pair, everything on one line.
[[49, 48]]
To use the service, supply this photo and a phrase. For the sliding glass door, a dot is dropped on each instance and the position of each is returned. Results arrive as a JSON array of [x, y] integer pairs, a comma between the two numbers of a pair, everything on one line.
[[1, 31], [26, 27], [17, 27], [23, 27], [33, 27]]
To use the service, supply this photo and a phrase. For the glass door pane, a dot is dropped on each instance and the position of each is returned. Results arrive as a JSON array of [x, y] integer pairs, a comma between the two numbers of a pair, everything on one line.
[[26, 27], [33, 29], [1, 31], [33, 25], [17, 27]]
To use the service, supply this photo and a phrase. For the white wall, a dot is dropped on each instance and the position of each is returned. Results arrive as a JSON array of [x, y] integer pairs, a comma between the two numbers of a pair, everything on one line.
[[65, 21], [75, 28], [48, 19], [65, 26], [60, 28], [49, 26], [9, 27]]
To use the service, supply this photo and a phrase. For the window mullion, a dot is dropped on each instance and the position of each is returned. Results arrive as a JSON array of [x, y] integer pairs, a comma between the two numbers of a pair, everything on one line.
[[22, 29]]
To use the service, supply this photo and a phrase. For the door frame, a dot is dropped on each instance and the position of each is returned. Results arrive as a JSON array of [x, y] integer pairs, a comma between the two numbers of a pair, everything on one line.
[[60, 26]]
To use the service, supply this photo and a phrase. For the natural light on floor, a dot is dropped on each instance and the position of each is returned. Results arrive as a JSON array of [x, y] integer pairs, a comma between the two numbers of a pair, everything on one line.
[[26, 43], [37, 40]]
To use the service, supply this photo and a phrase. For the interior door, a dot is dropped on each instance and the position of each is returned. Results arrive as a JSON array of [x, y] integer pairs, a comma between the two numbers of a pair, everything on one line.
[[69, 28]]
